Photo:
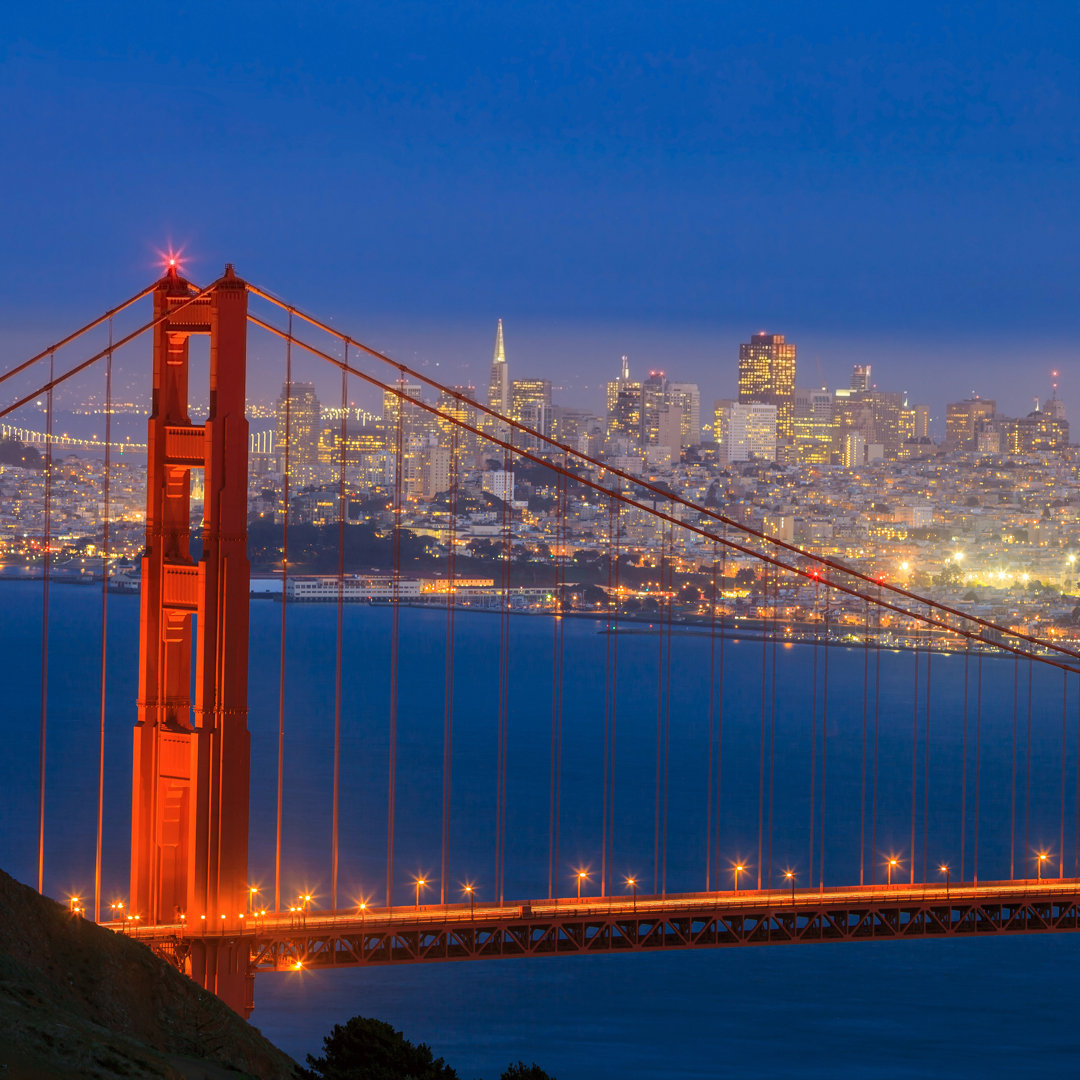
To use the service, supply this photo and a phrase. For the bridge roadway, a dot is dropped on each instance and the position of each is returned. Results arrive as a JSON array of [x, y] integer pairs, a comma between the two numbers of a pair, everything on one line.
[[428, 933]]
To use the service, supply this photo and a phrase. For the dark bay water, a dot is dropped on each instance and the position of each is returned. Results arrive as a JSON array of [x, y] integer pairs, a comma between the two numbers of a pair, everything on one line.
[[967, 1008]]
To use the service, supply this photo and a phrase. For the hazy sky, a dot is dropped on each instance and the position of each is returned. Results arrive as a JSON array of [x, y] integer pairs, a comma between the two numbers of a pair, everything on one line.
[[887, 185]]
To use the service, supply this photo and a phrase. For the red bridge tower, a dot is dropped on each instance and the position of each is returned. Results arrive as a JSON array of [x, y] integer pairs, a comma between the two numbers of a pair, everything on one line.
[[191, 777]]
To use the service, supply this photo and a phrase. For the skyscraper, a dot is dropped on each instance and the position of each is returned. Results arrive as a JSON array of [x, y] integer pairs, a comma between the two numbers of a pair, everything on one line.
[[624, 407], [499, 386], [299, 418], [767, 377], [688, 397], [744, 432]]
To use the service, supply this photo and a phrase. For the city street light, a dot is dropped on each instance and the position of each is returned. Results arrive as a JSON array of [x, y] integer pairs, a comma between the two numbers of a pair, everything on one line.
[[421, 883], [893, 861], [1042, 858], [470, 892], [582, 875], [944, 868], [632, 882], [738, 868], [790, 875]]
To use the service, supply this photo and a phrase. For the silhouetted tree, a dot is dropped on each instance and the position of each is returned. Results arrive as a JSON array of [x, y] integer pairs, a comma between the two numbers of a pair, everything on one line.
[[367, 1049], [521, 1071]]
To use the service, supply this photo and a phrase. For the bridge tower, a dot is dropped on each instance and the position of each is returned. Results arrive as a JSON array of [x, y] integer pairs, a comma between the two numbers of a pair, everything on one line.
[[191, 775]]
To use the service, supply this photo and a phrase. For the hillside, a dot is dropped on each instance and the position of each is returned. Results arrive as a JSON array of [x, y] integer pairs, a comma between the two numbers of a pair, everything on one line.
[[78, 1001]]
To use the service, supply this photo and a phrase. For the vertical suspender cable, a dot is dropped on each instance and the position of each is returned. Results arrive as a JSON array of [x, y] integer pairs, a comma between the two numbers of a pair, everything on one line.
[[763, 621], [342, 507], [106, 538], [772, 715], [659, 716], [978, 741], [1012, 784], [963, 762], [926, 766], [877, 717], [813, 729], [504, 677], [448, 684], [614, 708], [395, 628], [609, 642], [712, 734], [824, 742], [557, 655], [1064, 739], [1027, 774], [1076, 815], [668, 597], [46, 568], [914, 751], [720, 709], [284, 608], [865, 717]]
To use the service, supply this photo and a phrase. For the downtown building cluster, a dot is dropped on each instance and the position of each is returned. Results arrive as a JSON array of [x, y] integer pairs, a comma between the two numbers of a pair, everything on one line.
[[989, 520]]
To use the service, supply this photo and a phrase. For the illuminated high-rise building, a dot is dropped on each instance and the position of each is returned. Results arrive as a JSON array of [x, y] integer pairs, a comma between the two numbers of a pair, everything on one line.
[[744, 431], [860, 377], [813, 426], [961, 418], [654, 398], [624, 407], [767, 377], [299, 424], [499, 385], [688, 397], [528, 392], [914, 422]]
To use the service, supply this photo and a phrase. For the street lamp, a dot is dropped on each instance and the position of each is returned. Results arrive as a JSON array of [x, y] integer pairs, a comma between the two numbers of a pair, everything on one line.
[[790, 875], [582, 875], [1042, 858], [470, 892], [632, 882], [253, 891], [738, 868], [893, 861], [944, 868], [421, 883]]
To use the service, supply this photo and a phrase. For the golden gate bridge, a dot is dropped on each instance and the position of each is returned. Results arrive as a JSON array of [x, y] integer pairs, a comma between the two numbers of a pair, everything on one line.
[[190, 895]]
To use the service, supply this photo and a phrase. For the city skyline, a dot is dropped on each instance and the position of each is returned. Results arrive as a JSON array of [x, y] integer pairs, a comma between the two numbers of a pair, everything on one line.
[[596, 183]]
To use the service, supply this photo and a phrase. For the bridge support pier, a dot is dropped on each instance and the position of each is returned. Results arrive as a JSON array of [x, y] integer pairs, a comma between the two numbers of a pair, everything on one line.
[[191, 773], [224, 968]]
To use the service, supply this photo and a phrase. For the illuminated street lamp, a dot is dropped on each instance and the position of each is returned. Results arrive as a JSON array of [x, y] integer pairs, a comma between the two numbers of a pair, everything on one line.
[[944, 868], [893, 861], [253, 891], [1039, 863], [470, 892], [420, 883], [738, 868], [790, 875], [632, 882], [582, 875]]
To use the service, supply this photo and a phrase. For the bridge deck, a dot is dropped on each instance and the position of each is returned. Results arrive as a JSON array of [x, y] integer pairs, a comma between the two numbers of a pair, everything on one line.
[[429, 933]]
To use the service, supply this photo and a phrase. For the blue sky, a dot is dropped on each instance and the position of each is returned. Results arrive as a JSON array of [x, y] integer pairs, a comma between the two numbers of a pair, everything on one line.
[[894, 185]]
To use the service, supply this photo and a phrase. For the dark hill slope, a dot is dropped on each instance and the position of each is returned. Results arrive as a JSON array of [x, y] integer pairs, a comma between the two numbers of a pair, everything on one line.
[[78, 1001]]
